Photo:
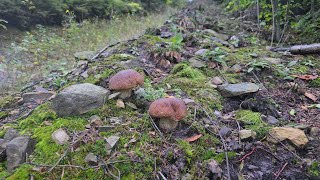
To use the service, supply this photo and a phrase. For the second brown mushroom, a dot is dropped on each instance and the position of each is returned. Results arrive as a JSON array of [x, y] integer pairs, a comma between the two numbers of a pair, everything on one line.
[[170, 111], [125, 81]]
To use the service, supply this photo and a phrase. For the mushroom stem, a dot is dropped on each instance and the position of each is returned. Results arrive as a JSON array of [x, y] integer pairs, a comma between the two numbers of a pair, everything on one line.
[[167, 124], [125, 94]]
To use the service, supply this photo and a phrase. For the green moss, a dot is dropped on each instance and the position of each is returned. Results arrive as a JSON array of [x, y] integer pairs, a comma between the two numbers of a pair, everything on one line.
[[119, 57], [3, 114], [6, 101], [314, 169], [315, 83], [222, 156], [183, 70], [23, 172], [253, 121], [300, 69], [152, 40]]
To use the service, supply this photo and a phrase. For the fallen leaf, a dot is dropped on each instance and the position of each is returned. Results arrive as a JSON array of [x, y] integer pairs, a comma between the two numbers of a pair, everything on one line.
[[120, 103], [311, 96], [193, 138], [307, 77]]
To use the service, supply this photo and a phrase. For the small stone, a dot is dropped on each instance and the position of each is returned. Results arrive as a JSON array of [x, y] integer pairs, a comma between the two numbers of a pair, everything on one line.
[[247, 134], [17, 151], [60, 136], [120, 103], [37, 96], [111, 142], [232, 90], [105, 128], [295, 136], [225, 132], [236, 68], [115, 120], [273, 60], [270, 120], [216, 81], [188, 101], [91, 159], [214, 168], [201, 52], [216, 34], [3, 146], [95, 120], [87, 126], [85, 74], [315, 132], [196, 63], [11, 134]]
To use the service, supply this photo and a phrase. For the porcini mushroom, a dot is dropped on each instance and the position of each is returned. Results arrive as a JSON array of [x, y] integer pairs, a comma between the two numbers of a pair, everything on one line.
[[170, 111], [125, 81]]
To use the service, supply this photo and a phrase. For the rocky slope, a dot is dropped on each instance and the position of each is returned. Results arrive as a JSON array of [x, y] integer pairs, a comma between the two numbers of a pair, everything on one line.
[[252, 113]]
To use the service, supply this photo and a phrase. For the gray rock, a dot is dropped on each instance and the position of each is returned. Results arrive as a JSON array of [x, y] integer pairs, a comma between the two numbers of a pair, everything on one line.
[[84, 55], [115, 120], [232, 90], [3, 146], [111, 142], [273, 60], [79, 99], [17, 151], [201, 52], [105, 128], [196, 63], [270, 120], [236, 68], [213, 166], [216, 80], [91, 159], [60, 136], [225, 132], [11, 134], [36, 96]]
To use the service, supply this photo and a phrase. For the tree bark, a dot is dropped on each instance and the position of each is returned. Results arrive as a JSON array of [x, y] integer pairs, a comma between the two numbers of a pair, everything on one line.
[[301, 49]]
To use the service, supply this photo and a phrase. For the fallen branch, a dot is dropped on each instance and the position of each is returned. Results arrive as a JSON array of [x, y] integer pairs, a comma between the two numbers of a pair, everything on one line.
[[300, 49], [280, 171]]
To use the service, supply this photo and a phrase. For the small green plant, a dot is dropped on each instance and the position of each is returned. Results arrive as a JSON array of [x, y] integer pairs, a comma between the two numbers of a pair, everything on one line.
[[308, 63], [152, 94], [175, 43], [257, 65], [216, 55]]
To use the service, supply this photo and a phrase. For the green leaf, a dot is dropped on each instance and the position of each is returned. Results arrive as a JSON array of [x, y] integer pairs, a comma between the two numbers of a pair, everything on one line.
[[292, 63]]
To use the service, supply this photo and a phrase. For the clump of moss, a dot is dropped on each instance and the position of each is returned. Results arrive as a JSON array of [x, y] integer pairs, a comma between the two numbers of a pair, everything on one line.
[[3, 114], [6, 101], [300, 69], [119, 57], [183, 70], [253, 121], [314, 169], [315, 83], [222, 156]]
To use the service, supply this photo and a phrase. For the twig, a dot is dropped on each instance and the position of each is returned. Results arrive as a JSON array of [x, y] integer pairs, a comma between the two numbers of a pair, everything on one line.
[[163, 177], [245, 156], [155, 126], [280, 171], [64, 155]]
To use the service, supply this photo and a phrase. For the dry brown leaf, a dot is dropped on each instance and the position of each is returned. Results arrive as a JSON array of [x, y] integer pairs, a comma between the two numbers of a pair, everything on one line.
[[307, 77], [193, 138], [311, 96]]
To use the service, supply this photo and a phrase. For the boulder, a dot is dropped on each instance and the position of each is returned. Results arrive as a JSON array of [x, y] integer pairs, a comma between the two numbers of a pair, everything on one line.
[[3, 145], [232, 90], [196, 63], [60, 136], [11, 134], [17, 151], [79, 99], [296, 136]]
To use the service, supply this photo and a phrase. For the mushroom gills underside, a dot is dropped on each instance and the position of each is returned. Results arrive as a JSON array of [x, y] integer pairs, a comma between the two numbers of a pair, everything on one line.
[[124, 94]]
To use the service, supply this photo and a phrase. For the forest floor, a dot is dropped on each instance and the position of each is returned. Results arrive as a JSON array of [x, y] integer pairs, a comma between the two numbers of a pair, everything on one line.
[[270, 133]]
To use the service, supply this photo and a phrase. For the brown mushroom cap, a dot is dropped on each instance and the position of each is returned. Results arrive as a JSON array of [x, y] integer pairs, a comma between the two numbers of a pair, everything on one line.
[[126, 79], [172, 108]]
